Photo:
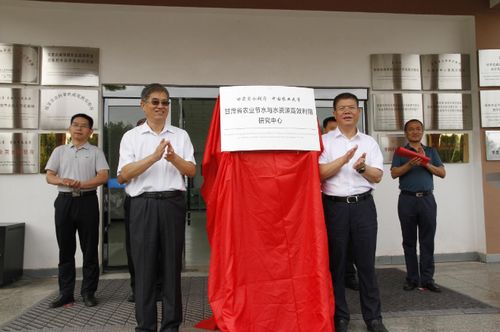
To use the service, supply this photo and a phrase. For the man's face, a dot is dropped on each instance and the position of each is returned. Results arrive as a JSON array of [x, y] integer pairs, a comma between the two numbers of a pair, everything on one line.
[[80, 129], [330, 125], [347, 112], [414, 132], [156, 107]]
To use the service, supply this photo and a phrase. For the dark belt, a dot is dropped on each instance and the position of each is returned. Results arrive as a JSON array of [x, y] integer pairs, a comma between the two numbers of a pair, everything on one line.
[[416, 194], [77, 193], [161, 194], [350, 199]]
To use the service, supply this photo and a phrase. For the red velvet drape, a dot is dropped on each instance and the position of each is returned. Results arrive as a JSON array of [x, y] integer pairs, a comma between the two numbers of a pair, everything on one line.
[[269, 252]]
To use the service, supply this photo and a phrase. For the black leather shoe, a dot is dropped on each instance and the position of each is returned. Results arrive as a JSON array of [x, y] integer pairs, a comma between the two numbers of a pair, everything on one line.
[[131, 297], [432, 287], [352, 283], [61, 300], [376, 325], [341, 325], [409, 285], [89, 300]]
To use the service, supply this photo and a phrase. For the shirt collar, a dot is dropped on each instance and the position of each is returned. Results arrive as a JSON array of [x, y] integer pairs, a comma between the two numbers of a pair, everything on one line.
[[84, 146], [408, 146], [144, 128], [338, 133]]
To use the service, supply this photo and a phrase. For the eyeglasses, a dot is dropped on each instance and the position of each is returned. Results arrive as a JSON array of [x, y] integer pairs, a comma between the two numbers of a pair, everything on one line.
[[346, 108], [78, 125], [156, 102]]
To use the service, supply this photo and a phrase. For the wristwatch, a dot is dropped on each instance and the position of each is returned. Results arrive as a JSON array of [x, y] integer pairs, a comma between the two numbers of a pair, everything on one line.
[[361, 170]]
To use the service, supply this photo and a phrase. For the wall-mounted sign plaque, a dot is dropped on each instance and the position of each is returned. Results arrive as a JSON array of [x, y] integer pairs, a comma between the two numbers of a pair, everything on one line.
[[388, 144], [445, 71], [489, 67], [268, 118], [448, 111], [392, 110], [58, 106], [19, 108], [451, 147], [18, 153], [19, 64], [396, 72], [492, 142], [70, 66], [490, 108]]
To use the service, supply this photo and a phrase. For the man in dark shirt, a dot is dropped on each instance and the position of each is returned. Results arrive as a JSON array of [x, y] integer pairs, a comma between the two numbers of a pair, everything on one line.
[[417, 207]]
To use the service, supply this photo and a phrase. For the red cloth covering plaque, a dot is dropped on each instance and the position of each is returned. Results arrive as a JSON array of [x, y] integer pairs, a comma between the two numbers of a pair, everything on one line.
[[400, 151], [269, 252]]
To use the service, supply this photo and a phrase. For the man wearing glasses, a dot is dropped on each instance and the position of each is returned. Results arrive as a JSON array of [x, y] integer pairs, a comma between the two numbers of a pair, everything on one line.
[[350, 166], [154, 158], [77, 169]]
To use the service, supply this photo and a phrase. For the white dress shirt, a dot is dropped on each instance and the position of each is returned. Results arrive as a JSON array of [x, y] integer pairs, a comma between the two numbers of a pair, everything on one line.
[[140, 142], [348, 181]]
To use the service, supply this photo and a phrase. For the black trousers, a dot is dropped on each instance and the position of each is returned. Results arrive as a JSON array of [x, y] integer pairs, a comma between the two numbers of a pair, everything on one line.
[[80, 214], [358, 222], [350, 270], [418, 215], [130, 262], [157, 226]]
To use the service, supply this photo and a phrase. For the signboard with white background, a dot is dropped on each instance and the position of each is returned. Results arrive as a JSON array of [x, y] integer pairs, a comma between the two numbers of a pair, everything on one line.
[[268, 118]]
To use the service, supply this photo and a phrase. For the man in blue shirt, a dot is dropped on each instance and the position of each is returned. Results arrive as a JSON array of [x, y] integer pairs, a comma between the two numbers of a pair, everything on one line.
[[417, 207]]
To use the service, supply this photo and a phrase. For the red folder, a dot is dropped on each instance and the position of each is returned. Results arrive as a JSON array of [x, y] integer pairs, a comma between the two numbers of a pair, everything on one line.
[[402, 152]]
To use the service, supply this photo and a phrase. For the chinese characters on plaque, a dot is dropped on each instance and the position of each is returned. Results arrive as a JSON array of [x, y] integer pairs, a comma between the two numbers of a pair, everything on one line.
[[490, 108], [392, 110], [489, 67], [389, 143], [58, 106], [70, 66], [268, 118], [492, 141], [448, 111], [396, 72], [18, 108], [445, 71], [19, 64], [18, 153]]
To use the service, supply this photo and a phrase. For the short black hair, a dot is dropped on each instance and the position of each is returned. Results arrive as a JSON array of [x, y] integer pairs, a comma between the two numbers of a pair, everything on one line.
[[153, 87], [85, 116], [345, 95], [413, 120], [328, 119]]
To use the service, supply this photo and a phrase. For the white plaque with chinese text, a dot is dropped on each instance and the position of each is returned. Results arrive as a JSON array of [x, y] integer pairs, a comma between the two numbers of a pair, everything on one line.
[[396, 72], [448, 111], [489, 67], [388, 144], [392, 110], [19, 64], [70, 66], [268, 118], [58, 106], [492, 140], [18, 153], [19, 108], [445, 71], [490, 108]]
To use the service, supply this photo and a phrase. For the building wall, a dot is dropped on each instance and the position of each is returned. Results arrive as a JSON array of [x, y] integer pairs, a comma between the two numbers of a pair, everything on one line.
[[487, 27], [191, 46]]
